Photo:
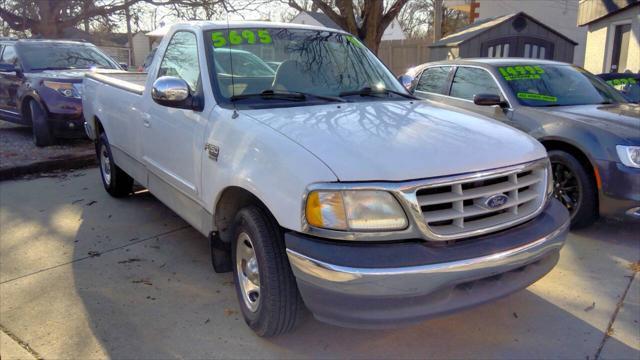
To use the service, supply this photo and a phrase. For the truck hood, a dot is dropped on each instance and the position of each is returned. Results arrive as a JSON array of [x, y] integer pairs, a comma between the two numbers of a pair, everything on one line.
[[622, 120], [400, 140], [73, 75]]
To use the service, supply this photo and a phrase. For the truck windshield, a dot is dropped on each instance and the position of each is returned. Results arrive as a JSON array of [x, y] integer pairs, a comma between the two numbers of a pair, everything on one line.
[[279, 62], [557, 85], [59, 56]]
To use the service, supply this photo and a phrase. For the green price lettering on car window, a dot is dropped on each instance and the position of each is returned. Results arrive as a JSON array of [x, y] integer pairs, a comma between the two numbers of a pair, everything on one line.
[[539, 97], [629, 81], [218, 39], [234, 38], [249, 36], [354, 41], [239, 37], [518, 72], [264, 36]]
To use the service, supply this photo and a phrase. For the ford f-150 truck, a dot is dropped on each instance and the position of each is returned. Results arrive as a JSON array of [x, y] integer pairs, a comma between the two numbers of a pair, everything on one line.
[[325, 184]]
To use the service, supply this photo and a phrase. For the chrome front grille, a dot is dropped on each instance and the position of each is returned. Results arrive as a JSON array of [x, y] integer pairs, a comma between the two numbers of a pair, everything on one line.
[[456, 209]]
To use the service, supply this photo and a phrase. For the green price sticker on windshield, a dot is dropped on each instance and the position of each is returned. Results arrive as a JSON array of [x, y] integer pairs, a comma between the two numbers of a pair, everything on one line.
[[628, 81], [239, 37], [355, 42], [538, 97], [518, 72]]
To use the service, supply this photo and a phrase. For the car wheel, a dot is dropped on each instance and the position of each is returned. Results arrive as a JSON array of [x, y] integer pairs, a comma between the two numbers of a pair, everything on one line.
[[42, 135], [265, 285], [117, 182], [574, 188]]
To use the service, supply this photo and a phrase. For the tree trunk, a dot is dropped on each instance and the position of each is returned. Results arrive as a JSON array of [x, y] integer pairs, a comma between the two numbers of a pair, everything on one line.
[[132, 58], [437, 20]]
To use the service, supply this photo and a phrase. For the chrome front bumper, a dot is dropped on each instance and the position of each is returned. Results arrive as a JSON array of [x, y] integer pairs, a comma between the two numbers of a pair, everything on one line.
[[421, 289]]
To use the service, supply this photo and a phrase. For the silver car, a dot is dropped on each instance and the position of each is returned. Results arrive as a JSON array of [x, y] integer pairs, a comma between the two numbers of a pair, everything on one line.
[[591, 132]]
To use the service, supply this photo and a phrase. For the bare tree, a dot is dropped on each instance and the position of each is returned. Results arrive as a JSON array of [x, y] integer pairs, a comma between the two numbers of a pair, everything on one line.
[[49, 18], [367, 19]]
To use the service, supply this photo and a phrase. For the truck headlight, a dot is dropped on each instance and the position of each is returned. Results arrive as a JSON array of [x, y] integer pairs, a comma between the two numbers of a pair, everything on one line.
[[356, 210], [65, 89], [550, 183], [629, 155]]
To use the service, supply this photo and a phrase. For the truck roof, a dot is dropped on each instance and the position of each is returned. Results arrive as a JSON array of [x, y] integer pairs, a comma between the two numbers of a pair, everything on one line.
[[216, 25]]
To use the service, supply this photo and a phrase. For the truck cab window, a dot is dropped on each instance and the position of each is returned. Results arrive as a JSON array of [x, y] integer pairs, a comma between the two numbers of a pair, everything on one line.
[[181, 59], [433, 80], [470, 81]]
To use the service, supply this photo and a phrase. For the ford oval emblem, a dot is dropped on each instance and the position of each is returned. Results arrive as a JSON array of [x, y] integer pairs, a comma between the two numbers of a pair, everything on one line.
[[495, 201]]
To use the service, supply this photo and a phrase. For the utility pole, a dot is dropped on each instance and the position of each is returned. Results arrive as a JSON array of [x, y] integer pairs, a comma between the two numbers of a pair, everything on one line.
[[437, 19]]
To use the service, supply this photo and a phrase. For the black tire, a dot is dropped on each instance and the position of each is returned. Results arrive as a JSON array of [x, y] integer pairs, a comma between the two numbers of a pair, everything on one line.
[[280, 305], [583, 203], [116, 182], [42, 135]]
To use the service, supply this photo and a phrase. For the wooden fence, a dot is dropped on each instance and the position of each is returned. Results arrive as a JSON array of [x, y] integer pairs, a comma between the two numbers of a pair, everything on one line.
[[400, 55]]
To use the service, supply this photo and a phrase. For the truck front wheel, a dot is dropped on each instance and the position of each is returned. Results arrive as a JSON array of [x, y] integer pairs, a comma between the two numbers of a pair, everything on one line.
[[117, 182], [265, 285]]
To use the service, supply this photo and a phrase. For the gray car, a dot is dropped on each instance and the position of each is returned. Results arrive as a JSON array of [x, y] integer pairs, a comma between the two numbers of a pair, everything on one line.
[[591, 132]]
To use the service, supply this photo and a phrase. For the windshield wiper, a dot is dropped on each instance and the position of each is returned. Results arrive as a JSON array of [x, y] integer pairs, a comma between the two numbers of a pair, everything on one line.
[[367, 91], [286, 95]]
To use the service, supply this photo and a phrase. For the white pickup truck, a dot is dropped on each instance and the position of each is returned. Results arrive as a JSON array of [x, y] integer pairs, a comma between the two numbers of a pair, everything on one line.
[[320, 182]]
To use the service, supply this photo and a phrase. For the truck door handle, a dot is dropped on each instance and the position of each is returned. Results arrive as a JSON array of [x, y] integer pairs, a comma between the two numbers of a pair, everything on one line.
[[146, 123]]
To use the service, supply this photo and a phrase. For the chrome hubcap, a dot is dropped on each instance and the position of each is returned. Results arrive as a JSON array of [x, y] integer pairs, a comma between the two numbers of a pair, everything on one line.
[[105, 164], [248, 272]]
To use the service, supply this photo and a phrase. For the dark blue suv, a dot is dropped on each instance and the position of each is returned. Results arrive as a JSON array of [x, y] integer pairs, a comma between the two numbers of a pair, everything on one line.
[[41, 85]]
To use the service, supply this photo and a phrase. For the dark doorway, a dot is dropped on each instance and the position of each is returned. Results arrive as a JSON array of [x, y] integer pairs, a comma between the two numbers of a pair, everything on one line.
[[620, 48]]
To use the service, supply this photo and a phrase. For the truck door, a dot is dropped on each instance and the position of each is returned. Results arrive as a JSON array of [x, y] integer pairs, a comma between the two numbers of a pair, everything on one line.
[[173, 137]]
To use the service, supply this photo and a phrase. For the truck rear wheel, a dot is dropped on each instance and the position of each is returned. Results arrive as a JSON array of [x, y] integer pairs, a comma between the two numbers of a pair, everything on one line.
[[117, 182], [42, 135], [265, 285]]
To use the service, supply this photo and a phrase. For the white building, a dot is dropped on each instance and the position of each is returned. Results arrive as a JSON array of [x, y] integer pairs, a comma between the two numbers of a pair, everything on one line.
[[560, 15], [393, 31]]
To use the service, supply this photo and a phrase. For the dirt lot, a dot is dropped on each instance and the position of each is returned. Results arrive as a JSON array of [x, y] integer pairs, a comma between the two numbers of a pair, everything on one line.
[[18, 154], [83, 275]]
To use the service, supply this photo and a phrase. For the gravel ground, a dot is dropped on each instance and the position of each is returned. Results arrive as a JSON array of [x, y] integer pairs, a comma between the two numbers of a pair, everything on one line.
[[17, 148]]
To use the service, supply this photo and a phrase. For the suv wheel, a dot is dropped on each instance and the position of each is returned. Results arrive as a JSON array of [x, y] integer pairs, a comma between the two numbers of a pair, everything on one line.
[[574, 188], [116, 182], [42, 135], [265, 285]]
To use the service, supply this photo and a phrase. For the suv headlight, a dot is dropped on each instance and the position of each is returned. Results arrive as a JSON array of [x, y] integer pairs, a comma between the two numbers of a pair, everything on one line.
[[69, 90], [355, 210], [629, 155]]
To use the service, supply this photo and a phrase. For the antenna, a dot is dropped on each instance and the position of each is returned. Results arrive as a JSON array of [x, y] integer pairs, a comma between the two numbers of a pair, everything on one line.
[[233, 85]]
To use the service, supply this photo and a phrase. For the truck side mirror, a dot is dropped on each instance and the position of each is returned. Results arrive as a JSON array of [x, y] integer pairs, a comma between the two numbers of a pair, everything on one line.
[[406, 81], [488, 100], [171, 91], [124, 66]]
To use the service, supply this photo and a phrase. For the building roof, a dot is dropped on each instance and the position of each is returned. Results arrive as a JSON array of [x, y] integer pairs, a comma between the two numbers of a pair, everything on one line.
[[471, 31], [323, 19], [593, 10]]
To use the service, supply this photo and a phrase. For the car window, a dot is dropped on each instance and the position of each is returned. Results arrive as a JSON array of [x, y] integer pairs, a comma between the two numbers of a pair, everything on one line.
[[9, 55], [434, 79], [181, 59], [469, 81]]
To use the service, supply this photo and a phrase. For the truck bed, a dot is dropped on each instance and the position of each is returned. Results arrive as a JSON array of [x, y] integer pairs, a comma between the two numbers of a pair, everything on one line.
[[130, 81]]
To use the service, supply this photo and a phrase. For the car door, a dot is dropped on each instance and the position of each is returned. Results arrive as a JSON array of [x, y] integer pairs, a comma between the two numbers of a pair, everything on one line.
[[469, 81], [9, 83], [173, 137]]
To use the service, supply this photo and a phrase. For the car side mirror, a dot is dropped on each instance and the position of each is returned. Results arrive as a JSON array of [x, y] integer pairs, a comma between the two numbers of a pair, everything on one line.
[[124, 66], [488, 100], [8, 68], [406, 81], [171, 91]]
